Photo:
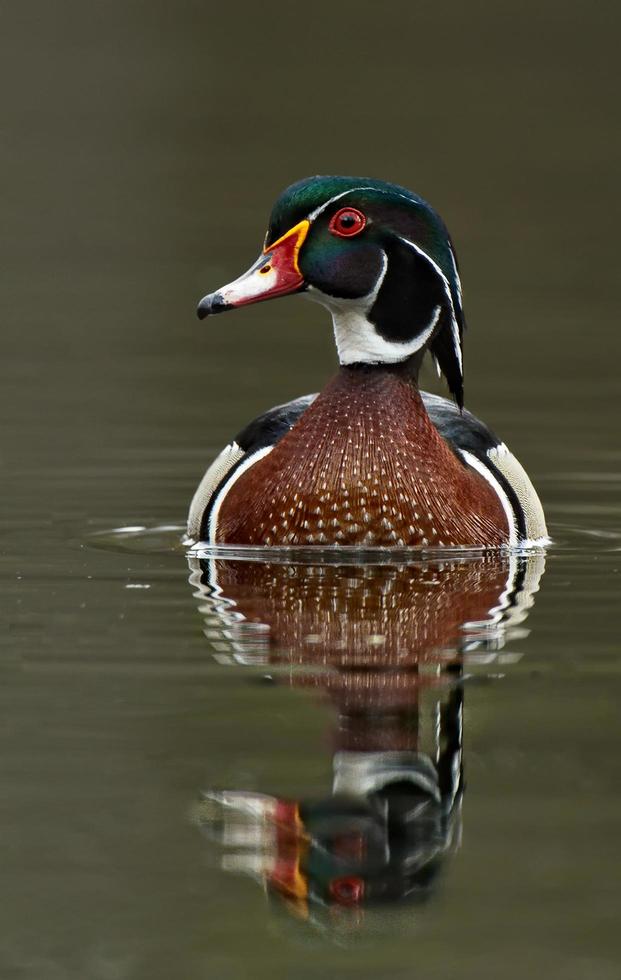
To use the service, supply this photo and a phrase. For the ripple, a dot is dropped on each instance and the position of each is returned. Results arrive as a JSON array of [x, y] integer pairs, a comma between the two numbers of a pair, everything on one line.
[[349, 555], [172, 539], [140, 540]]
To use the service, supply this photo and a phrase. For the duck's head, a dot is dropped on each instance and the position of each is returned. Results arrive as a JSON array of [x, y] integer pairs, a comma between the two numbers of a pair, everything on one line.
[[377, 256]]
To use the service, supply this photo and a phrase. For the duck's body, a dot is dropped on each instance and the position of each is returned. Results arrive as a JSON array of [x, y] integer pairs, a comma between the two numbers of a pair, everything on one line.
[[371, 460]]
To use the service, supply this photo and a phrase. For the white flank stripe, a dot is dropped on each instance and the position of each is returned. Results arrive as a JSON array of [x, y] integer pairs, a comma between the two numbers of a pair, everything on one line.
[[216, 472], [481, 468], [213, 517]]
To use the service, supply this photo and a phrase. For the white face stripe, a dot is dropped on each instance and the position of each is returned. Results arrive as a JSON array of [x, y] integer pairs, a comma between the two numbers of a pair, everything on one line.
[[212, 527], [322, 207], [457, 343], [456, 273], [481, 468], [363, 187], [447, 290]]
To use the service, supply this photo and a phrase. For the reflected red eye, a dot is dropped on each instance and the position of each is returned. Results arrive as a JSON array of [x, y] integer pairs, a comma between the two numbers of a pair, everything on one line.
[[348, 890], [347, 222]]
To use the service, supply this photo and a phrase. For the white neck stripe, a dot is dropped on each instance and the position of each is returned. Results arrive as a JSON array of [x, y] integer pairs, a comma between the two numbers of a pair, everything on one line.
[[358, 342]]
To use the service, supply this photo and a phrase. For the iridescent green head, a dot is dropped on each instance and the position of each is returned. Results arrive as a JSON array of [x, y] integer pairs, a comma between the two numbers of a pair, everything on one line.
[[377, 255]]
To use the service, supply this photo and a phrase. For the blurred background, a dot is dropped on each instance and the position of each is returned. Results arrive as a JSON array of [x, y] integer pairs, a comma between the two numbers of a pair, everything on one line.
[[143, 146]]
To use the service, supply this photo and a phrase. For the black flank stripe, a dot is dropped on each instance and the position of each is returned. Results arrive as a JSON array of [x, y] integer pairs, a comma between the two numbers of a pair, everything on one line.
[[516, 507]]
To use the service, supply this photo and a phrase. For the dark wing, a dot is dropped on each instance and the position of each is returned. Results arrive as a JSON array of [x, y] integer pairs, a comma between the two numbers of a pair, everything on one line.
[[462, 430], [269, 428]]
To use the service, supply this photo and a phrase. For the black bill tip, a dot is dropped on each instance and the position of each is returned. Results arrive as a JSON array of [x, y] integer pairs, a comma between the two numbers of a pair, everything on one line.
[[213, 303]]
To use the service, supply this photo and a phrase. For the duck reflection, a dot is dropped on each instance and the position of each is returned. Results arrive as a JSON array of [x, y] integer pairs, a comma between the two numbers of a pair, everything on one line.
[[389, 645]]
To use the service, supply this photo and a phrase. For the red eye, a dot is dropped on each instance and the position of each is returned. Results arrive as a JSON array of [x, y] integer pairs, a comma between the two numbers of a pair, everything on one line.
[[347, 222]]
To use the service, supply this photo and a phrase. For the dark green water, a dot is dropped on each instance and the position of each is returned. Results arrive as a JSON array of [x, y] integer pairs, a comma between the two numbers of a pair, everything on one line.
[[143, 147]]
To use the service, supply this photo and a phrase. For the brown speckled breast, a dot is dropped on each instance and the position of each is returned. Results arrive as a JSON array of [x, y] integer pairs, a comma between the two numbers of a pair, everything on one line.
[[363, 466]]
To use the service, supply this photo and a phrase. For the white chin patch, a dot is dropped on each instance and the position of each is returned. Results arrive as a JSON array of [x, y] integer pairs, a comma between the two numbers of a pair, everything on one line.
[[357, 340]]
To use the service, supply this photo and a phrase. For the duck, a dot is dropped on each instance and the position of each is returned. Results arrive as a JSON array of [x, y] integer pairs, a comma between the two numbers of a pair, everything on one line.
[[370, 461]]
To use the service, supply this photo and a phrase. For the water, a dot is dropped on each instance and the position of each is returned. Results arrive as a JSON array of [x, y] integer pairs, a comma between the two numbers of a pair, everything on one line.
[[147, 731]]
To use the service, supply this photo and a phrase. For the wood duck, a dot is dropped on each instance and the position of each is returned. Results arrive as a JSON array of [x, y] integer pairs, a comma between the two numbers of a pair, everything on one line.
[[371, 460]]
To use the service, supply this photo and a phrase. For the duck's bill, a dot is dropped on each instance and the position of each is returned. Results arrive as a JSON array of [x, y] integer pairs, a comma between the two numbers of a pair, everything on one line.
[[275, 273]]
